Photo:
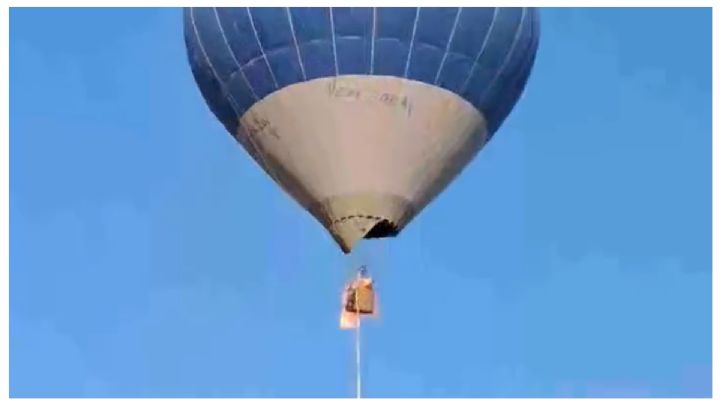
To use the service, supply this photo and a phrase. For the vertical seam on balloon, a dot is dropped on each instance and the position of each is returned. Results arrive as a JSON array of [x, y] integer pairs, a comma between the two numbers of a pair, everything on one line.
[[372, 42], [233, 103], [523, 70], [507, 59], [531, 49], [237, 63], [447, 48], [482, 50], [297, 48], [231, 99], [412, 41], [332, 33], [262, 50], [234, 106]]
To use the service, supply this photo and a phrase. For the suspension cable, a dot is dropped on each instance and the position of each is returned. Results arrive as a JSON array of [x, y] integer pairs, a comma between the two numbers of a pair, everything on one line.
[[358, 377]]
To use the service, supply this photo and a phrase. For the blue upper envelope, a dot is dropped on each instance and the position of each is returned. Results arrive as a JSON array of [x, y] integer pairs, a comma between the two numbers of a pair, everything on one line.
[[240, 55]]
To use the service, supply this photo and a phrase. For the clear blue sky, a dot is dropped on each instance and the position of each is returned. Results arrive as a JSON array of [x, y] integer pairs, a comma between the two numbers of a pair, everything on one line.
[[151, 257]]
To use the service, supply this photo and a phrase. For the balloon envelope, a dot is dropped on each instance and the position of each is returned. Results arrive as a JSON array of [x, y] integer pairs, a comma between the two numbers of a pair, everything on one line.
[[363, 115]]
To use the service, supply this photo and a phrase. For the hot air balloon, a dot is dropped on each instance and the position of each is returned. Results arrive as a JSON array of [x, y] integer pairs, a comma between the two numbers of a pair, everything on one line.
[[362, 115]]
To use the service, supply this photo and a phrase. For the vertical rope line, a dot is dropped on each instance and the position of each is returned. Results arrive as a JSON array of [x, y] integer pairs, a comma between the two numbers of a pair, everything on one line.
[[358, 379]]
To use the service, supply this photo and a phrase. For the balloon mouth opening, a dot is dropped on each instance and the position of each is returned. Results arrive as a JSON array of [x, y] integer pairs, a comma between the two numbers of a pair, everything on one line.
[[382, 229]]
